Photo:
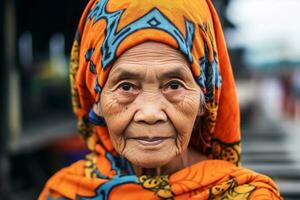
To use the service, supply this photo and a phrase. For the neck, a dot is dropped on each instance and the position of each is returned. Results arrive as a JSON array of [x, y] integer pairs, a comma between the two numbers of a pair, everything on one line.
[[189, 157]]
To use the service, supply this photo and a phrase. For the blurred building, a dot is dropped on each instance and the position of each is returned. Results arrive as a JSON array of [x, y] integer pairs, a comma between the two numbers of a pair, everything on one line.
[[36, 115]]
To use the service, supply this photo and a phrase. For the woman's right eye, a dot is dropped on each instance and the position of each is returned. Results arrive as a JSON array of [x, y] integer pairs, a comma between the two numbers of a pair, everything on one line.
[[127, 87], [126, 92]]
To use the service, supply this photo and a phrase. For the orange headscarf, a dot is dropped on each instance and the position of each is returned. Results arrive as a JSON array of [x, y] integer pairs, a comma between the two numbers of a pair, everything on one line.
[[107, 29]]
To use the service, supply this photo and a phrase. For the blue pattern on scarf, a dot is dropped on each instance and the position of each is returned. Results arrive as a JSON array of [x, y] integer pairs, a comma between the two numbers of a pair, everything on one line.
[[154, 19]]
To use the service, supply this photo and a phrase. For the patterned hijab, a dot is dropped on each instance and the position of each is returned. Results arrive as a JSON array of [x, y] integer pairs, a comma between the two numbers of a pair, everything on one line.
[[109, 27], [106, 30]]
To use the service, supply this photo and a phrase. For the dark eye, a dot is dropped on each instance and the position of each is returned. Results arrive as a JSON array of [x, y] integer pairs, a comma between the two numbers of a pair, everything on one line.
[[126, 87], [174, 85]]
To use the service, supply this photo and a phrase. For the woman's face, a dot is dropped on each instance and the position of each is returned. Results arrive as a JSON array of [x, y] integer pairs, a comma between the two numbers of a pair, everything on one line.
[[150, 102]]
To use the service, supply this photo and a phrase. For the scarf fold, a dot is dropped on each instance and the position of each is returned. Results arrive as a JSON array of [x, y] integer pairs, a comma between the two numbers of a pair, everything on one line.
[[210, 179], [107, 29]]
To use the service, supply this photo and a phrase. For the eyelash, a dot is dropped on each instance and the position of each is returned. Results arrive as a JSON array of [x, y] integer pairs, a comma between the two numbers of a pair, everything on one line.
[[126, 84], [174, 82], [133, 86]]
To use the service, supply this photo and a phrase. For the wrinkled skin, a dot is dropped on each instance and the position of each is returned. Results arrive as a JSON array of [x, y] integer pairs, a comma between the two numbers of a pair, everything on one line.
[[150, 103]]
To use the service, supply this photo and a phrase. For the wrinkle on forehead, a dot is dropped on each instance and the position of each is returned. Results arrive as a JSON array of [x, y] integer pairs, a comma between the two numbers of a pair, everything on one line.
[[148, 55], [152, 52]]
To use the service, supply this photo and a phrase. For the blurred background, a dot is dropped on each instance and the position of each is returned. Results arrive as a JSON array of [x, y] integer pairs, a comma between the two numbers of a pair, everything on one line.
[[38, 130]]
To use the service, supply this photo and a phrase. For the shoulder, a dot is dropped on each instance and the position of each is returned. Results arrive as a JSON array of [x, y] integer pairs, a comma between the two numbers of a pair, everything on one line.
[[244, 182], [227, 181]]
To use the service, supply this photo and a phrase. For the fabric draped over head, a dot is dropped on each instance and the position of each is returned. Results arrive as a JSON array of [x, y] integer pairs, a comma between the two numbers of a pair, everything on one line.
[[109, 27]]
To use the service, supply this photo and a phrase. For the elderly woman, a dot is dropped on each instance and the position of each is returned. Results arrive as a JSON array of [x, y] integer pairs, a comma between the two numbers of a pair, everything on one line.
[[155, 98]]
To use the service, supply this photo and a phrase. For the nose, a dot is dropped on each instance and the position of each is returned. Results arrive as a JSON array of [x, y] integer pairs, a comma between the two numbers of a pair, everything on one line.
[[151, 110]]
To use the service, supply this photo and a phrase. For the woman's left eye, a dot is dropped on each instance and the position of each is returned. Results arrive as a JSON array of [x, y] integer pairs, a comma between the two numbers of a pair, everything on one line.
[[174, 85], [126, 87]]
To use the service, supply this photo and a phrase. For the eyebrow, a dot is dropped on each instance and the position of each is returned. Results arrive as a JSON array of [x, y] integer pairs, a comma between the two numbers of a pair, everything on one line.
[[176, 73], [125, 74]]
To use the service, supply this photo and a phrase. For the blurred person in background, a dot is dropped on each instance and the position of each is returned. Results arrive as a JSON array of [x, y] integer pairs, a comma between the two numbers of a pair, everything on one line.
[[290, 85], [287, 94], [155, 98], [296, 93]]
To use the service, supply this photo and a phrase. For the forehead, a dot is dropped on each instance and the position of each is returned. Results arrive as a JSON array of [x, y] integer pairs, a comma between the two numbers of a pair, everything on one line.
[[152, 56]]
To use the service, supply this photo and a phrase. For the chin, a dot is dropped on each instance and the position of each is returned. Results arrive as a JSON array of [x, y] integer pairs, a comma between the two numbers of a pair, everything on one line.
[[150, 163]]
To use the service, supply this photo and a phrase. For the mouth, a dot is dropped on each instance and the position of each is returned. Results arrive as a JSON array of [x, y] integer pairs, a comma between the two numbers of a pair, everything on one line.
[[151, 141]]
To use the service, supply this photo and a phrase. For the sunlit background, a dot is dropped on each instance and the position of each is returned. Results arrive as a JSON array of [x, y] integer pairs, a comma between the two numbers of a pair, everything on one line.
[[38, 130]]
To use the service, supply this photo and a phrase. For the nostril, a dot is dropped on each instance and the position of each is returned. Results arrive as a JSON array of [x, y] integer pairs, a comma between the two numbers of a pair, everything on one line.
[[150, 118], [150, 114], [160, 122], [150, 122]]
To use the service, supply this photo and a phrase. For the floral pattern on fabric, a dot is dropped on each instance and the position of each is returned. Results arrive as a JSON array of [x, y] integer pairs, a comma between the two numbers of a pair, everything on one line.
[[90, 166], [230, 190], [226, 151], [74, 65], [157, 184]]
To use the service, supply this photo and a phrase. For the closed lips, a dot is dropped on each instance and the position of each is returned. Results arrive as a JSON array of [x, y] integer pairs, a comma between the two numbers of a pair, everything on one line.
[[150, 140]]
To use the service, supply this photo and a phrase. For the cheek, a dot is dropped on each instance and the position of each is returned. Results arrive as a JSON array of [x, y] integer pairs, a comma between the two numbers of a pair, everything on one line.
[[183, 115], [117, 117], [125, 98], [175, 96]]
